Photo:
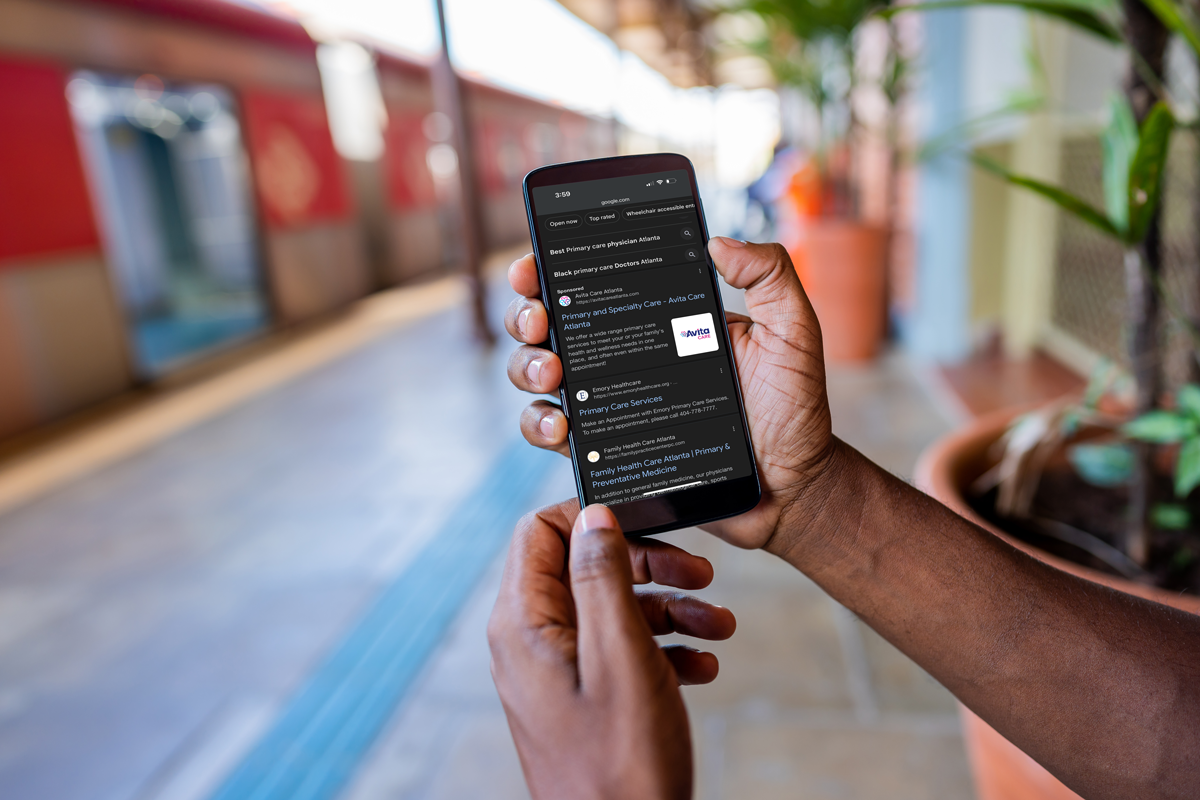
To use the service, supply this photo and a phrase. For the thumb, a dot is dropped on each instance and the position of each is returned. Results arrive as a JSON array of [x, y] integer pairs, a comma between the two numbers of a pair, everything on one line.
[[774, 296], [613, 634]]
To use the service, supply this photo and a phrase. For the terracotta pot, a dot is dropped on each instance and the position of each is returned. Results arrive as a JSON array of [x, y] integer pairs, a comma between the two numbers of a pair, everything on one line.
[[842, 266], [1003, 772]]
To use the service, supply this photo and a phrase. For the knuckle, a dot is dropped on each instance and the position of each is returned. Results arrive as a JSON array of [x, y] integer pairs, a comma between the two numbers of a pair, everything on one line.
[[780, 255], [527, 521], [495, 634], [517, 363], [531, 419]]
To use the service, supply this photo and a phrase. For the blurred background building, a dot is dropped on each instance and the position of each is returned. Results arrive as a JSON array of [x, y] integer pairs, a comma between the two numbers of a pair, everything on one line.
[[241, 404]]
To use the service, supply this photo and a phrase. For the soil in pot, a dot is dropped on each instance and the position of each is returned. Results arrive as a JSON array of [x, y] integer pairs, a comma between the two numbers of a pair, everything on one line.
[[1066, 499]]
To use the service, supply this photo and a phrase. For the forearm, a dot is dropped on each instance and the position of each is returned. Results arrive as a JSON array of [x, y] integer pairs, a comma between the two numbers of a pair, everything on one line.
[[1101, 687]]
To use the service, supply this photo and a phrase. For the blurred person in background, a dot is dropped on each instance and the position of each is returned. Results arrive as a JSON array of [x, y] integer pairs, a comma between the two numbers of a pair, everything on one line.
[[767, 190], [1100, 687]]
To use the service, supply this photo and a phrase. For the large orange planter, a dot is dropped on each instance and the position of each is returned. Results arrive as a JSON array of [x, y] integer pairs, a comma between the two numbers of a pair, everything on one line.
[[842, 266], [1003, 772]]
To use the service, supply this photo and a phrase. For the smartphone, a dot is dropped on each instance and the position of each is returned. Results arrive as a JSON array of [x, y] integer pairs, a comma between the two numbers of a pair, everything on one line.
[[657, 426]]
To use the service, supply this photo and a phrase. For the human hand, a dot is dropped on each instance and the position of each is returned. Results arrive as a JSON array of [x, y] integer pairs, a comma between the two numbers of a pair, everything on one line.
[[777, 350], [592, 700]]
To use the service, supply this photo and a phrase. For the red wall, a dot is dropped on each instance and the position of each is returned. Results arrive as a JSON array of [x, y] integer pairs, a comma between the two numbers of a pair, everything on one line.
[[409, 183], [44, 203], [298, 174]]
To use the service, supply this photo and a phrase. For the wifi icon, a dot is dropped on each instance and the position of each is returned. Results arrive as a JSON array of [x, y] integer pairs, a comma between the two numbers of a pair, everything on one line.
[[660, 181]]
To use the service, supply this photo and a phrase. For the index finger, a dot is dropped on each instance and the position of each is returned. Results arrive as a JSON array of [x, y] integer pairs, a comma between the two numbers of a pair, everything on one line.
[[532, 628], [523, 277], [533, 592]]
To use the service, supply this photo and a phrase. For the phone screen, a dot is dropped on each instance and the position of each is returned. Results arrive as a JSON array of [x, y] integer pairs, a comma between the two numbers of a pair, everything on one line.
[[650, 392]]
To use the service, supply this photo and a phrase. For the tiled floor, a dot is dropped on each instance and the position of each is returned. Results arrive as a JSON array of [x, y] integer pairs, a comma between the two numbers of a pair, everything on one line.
[[156, 614], [810, 703]]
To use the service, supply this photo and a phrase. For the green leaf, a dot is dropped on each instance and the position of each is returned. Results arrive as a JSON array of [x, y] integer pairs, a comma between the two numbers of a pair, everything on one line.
[[1119, 141], [1187, 399], [1104, 465], [1145, 173], [1170, 516], [1177, 18], [1187, 468], [1073, 13], [1160, 427], [1065, 200]]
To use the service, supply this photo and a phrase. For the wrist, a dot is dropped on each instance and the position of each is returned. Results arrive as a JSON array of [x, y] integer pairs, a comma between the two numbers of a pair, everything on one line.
[[819, 509]]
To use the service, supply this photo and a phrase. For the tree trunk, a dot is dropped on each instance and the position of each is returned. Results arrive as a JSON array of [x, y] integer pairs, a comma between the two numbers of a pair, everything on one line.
[[1142, 305], [1192, 301], [1143, 265]]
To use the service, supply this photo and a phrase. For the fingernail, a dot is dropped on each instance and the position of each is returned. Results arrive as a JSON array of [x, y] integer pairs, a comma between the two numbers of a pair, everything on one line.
[[728, 242], [523, 320], [547, 426], [593, 517], [534, 370]]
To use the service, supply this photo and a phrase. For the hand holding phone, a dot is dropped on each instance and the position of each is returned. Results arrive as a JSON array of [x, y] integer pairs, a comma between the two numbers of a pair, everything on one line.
[[778, 354], [656, 427]]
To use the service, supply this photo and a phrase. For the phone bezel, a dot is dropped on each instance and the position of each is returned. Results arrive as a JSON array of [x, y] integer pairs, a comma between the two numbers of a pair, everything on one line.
[[686, 507]]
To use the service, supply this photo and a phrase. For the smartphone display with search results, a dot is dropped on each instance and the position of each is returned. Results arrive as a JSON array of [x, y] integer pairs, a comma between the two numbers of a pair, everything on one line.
[[657, 427]]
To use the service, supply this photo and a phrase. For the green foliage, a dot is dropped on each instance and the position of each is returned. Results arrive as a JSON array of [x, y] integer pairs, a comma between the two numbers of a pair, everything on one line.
[[1188, 400], [1187, 467], [1181, 426], [1132, 183], [815, 20], [1060, 197], [808, 40], [1146, 171], [1161, 427], [1183, 558], [1086, 16], [1178, 18], [1170, 516], [1119, 142], [1104, 465]]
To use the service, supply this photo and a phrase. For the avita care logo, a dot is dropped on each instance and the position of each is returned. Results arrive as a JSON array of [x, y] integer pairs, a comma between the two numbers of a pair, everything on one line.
[[694, 334]]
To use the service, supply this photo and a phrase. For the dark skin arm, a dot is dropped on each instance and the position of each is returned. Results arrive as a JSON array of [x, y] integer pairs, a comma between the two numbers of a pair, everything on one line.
[[1101, 688]]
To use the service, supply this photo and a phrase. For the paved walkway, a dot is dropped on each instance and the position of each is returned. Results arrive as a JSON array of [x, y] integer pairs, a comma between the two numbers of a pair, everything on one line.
[[810, 702], [155, 616]]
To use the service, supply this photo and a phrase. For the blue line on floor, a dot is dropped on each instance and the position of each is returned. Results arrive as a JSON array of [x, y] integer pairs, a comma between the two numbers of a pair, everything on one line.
[[325, 730]]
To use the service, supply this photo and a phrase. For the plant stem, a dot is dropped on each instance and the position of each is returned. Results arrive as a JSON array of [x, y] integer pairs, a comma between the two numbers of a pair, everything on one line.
[[1142, 308], [1191, 312], [1147, 39]]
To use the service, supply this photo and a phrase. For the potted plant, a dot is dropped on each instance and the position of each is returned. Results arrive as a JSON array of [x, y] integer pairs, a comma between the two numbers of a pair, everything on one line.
[[841, 259], [1098, 486]]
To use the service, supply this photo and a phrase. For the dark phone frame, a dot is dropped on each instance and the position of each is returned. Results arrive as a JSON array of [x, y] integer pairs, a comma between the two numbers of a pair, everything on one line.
[[685, 507]]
